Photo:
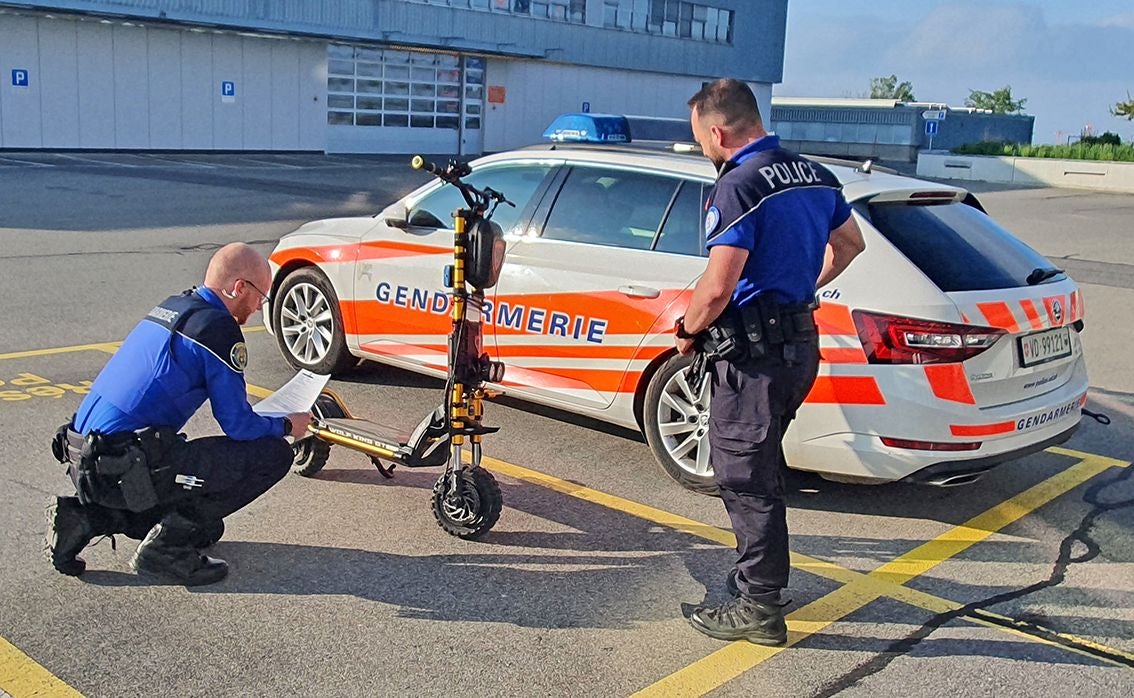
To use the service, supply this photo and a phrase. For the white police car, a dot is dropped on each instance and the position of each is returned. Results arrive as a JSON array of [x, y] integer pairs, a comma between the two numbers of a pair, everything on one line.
[[949, 346]]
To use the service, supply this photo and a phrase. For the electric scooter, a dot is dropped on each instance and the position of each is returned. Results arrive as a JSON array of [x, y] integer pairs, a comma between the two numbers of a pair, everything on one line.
[[466, 498]]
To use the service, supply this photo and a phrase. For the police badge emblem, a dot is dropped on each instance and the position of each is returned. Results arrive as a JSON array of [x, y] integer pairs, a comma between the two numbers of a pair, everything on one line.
[[239, 356], [712, 220]]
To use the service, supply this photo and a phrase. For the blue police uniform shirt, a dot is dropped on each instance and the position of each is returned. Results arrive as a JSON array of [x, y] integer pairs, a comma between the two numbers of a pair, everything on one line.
[[781, 208], [185, 350]]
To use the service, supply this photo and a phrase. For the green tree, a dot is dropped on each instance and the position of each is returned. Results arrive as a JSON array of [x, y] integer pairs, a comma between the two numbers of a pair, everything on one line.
[[1124, 110], [998, 101], [890, 88]]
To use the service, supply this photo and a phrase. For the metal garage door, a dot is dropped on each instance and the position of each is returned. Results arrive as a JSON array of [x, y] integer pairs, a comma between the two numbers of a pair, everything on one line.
[[393, 101]]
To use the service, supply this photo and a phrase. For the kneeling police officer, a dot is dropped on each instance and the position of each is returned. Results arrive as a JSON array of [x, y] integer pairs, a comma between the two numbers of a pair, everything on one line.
[[777, 226], [133, 472]]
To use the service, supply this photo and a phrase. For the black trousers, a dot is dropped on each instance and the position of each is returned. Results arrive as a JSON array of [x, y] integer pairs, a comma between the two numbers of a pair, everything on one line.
[[202, 481], [752, 405]]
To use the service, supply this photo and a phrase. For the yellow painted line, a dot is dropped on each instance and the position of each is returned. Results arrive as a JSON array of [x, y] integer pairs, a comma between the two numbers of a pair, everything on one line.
[[258, 391], [715, 670], [858, 589], [1082, 455], [21, 677], [109, 347]]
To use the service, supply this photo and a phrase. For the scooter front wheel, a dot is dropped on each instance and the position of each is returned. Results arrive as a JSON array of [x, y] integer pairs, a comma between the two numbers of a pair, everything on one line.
[[472, 511]]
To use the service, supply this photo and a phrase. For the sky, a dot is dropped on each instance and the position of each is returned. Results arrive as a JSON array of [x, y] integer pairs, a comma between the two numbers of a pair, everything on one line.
[[1071, 59]]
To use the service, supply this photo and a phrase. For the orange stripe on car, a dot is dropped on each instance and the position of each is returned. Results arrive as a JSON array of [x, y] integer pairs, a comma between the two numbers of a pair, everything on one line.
[[842, 355], [374, 317], [982, 429], [318, 254], [846, 390], [999, 315], [948, 382], [387, 249], [600, 380], [621, 314], [582, 350], [1033, 315], [835, 319], [1073, 313]]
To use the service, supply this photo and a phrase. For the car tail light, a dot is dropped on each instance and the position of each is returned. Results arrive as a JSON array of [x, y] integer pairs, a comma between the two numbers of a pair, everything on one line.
[[931, 445], [893, 339]]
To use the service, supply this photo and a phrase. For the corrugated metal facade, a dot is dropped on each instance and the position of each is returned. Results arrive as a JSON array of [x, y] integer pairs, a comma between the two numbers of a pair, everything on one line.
[[146, 74]]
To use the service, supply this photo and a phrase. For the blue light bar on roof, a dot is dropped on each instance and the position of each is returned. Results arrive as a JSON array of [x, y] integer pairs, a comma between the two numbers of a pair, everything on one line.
[[589, 128]]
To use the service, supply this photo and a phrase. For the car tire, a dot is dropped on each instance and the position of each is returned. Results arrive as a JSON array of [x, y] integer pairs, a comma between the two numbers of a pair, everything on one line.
[[676, 423], [308, 324]]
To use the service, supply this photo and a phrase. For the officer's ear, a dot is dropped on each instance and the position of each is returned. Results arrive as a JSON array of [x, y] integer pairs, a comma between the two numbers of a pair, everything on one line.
[[718, 135]]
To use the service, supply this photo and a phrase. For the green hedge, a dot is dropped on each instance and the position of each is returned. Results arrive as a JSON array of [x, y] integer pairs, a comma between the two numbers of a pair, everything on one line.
[[1113, 153]]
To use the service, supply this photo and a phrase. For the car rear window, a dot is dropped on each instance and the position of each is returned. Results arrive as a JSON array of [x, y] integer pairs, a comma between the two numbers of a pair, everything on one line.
[[957, 246]]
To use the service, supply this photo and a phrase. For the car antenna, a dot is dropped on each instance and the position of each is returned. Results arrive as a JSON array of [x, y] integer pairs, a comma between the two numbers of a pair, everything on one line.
[[867, 166]]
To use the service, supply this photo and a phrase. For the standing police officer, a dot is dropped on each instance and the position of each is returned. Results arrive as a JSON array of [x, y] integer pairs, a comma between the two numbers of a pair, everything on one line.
[[777, 226], [133, 473]]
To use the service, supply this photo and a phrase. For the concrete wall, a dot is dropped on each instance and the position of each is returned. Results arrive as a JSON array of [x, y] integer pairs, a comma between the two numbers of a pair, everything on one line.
[[112, 86], [1075, 174]]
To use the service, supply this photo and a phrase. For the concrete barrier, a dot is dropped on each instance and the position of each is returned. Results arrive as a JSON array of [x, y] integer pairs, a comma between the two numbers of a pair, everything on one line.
[[1074, 174]]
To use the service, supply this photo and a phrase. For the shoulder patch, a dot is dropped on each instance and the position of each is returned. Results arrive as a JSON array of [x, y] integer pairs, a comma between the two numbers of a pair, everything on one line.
[[238, 357], [712, 220]]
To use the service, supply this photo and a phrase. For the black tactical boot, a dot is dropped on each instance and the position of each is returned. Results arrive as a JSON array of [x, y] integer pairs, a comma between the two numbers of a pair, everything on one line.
[[168, 552], [70, 528], [207, 535], [742, 619]]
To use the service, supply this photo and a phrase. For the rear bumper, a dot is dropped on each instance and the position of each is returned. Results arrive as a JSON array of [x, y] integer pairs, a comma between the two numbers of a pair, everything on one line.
[[963, 472]]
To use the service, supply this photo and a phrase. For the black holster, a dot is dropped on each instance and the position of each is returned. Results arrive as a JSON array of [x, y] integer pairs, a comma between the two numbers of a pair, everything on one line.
[[756, 330], [107, 470]]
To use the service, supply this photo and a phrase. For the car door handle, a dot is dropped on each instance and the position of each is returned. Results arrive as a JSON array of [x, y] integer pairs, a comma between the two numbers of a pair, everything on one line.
[[639, 291]]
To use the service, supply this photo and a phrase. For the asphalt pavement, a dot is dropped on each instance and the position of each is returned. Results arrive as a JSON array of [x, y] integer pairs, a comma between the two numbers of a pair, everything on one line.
[[343, 585]]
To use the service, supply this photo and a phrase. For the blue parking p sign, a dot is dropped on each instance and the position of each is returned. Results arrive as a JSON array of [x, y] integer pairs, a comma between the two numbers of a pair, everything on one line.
[[228, 88], [931, 128], [20, 77]]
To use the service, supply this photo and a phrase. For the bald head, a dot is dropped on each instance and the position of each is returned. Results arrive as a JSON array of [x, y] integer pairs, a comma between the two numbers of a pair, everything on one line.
[[237, 273], [233, 262]]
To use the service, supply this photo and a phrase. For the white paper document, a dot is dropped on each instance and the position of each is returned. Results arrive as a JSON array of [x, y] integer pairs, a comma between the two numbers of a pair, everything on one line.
[[297, 396]]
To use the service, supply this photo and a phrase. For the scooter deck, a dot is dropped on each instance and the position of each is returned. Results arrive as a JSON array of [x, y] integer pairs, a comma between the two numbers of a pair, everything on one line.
[[363, 432]]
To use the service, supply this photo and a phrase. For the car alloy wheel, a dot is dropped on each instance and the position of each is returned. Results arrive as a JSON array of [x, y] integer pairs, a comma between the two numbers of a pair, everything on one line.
[[306, 323]]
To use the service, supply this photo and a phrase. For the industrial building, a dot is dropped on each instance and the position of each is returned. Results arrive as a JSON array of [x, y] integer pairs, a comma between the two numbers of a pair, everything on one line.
[[361, 76], [889, 129]]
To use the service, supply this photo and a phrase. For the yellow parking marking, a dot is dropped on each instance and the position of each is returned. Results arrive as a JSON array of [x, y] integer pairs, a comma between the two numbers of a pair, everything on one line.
[[108, 347], [21, 674], [718, 668], [21, 677]]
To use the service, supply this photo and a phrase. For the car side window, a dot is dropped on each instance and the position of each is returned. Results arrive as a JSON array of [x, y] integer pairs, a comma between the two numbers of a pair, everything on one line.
[[682, 231], [610, 207], [516, 182]]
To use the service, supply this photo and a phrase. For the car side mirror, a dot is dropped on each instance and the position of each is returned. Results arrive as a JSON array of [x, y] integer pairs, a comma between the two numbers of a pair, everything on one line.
[[397, 218]]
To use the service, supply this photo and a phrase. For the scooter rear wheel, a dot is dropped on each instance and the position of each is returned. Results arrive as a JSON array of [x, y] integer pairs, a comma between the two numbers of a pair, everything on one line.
[[309, 455], [474, 510]]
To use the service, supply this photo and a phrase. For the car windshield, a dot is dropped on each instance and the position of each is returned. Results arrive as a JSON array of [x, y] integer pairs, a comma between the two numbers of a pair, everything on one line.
[[958, 247]]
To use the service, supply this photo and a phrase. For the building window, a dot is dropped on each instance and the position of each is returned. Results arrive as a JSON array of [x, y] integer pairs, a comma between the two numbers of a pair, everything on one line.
[[414, 89], [676, 18], [573, 11]]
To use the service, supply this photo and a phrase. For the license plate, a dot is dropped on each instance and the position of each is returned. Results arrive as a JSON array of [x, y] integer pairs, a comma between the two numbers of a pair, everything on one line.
[[1041, 347]]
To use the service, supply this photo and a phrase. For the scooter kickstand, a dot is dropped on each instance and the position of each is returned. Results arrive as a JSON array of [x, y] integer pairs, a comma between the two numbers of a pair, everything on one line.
[[386, 472]]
